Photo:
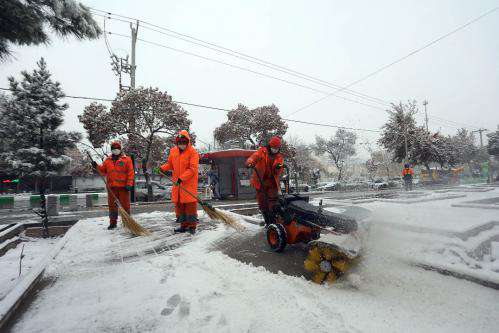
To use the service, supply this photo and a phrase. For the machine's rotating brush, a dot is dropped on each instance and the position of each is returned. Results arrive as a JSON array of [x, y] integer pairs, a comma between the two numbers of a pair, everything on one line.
[[325, 263]]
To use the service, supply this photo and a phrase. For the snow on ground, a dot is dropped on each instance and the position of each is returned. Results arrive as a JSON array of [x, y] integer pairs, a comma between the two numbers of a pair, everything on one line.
[[35, 249], [436, 214], [192, 288]]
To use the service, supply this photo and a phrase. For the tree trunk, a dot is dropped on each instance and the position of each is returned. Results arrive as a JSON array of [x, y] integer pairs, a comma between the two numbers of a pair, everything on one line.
[[340, 171], [147, 176], [43, 207], [430, 176], [150, 195]]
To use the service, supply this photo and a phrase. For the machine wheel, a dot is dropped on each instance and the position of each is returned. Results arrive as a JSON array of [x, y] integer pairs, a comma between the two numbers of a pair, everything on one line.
[[276, 237], [325, 264]]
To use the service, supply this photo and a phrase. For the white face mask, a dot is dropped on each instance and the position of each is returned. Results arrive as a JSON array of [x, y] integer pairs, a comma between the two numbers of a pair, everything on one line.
[[116, 151], [182, 147], [274, 150]]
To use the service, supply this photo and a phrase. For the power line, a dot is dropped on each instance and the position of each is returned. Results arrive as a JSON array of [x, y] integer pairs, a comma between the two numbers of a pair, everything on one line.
[[332, 126], [258, 73], [226, 110], [398, 60], [243, 69], [243, 56]]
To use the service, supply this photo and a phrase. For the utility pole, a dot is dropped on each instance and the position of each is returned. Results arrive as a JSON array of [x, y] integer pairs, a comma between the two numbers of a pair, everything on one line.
[[425, 103], [489, 162], [480, 130], [134, 30], [133, 138]]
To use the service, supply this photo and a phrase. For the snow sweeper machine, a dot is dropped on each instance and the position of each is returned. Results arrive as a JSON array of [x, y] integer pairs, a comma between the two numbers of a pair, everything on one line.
[[332, 238]]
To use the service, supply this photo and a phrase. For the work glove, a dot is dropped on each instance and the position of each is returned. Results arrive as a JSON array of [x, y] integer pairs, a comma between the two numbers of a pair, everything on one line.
[[129, 188], [177, 183], [250, 165], [94, 164], [279, 166]]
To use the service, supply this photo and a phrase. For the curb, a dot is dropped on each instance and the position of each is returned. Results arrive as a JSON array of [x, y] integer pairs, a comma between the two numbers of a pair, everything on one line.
[[10, 303]]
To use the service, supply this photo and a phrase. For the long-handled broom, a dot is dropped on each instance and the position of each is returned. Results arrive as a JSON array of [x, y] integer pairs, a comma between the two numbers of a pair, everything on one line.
[[128, 222], [212, 212]]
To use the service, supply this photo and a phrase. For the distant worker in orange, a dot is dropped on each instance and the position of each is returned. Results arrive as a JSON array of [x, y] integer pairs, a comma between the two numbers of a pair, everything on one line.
[[267, 163], [184, 161], [120, 175], [408, 174]]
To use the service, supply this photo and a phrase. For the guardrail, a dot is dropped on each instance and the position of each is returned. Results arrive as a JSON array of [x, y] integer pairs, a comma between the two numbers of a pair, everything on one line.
[[71, 202]]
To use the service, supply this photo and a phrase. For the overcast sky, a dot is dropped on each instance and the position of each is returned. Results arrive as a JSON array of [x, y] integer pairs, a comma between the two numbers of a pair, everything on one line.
[[337, 41]]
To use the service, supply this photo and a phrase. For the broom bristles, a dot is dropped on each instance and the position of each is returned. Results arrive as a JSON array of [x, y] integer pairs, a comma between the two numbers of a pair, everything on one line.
[[131, 225], [219, 215]]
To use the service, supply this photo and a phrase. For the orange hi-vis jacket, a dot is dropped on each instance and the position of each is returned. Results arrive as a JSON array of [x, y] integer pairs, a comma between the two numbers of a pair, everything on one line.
[[407, 172], [266, 166], [119, 173], [185, 166]]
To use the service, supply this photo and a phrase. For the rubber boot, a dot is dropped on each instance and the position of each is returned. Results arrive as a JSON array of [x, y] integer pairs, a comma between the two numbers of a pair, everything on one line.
[[180, 230], [192, 231], [112, 225]]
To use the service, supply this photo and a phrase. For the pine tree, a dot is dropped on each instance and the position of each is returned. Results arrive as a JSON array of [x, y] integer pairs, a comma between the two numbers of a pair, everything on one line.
[[26, 22], [29, 125]]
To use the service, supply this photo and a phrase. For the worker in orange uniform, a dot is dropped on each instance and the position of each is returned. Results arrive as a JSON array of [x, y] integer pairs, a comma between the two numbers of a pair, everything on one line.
[[407, 175], [184, 161], [120, 175], [267, 163]]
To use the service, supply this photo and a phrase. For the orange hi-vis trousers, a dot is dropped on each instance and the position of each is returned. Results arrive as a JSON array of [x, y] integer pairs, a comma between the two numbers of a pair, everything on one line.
[[123, 197], [187, 214]]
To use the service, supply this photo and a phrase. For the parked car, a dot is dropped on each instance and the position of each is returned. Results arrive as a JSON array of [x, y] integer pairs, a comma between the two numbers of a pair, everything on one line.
[[160, 192], [301, 188], [356, 185], [378, 184], [331, 186]]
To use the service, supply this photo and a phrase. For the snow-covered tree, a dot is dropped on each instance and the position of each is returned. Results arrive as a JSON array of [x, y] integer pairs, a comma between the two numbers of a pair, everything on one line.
[[145, 119], [372, 168], [493, 145], [338, 148], [80, 164], [29, 125], [301, 160], [384, 163], [463, 148], [254, 127], [401, 125], [25, 22]]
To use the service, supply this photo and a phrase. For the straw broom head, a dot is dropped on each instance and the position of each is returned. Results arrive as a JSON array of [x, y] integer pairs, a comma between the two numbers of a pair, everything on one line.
[[131, 225], [219, 215]]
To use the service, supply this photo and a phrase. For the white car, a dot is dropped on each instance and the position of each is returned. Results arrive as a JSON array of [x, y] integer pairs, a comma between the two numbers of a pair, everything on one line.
[[160, 192], [331, 186], [378, 184]]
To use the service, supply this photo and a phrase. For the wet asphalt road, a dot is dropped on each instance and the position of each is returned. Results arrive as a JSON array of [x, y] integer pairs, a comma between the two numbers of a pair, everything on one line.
[[251, 248]]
